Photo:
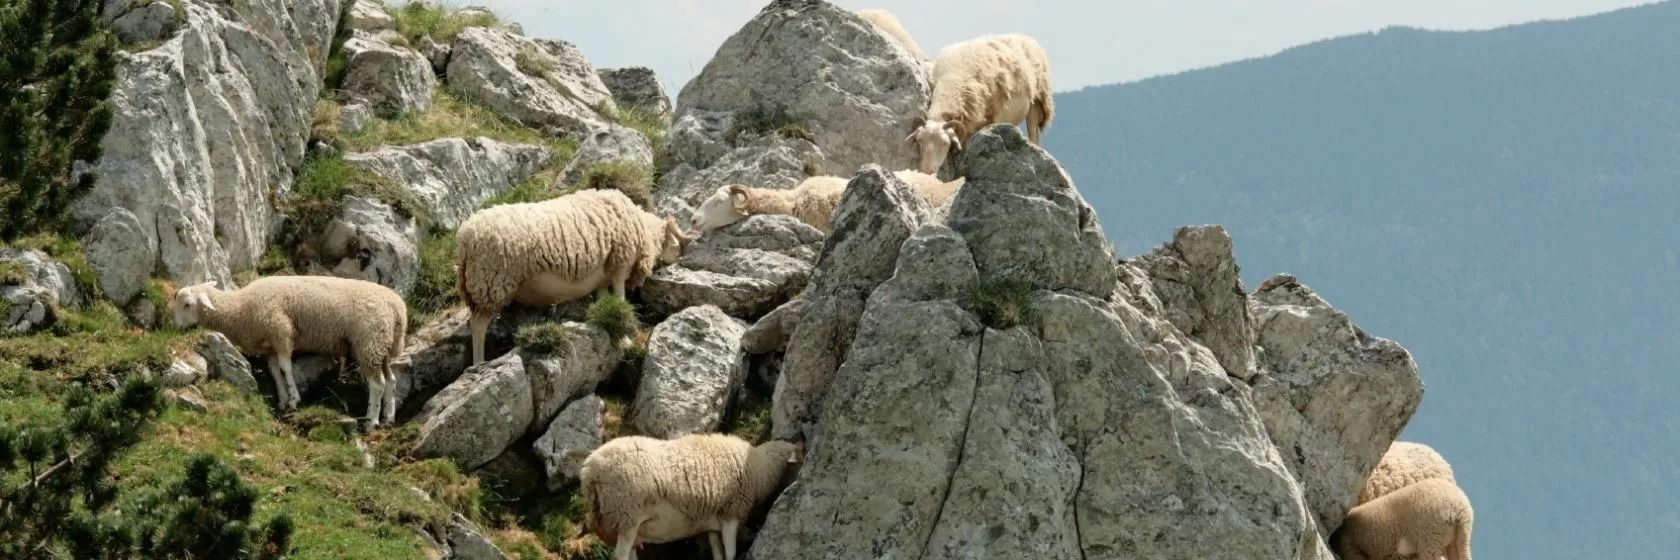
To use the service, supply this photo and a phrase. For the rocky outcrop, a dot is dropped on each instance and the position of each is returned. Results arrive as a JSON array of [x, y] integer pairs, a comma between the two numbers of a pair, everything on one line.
[[992, 405], [1195, 276], [451, 178], [33, 288], [243, 81], [577, 430], [745, 269], [368, 15], [390, 80], [140, 21], [610, 143], [371, 241], [800, 68], [542, 83], [637, 88], [693, 366], [1332, 396], [875, 215]]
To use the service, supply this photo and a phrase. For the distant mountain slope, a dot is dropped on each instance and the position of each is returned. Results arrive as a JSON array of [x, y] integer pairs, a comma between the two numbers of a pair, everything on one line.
[[1503, 203]]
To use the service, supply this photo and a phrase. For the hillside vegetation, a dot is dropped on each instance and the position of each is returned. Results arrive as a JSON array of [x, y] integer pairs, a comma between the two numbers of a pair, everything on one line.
[[1502, 201]]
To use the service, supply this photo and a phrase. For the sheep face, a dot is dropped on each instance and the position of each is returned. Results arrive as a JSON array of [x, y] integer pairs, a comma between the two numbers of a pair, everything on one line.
[[188, 302], [935, 139], [675, 241], [726, 206]]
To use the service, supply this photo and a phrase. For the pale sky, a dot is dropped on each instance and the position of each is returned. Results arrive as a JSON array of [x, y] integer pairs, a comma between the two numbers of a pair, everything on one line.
[[1090, 42]]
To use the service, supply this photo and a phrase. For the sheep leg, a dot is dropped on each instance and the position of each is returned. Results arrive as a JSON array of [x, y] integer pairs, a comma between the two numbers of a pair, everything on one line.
[[1035, 122], [480, 324], [729, 528], [280, 398], [376, 396], [618, 280], [1460, 547], [626, 546], [288, 384], [717, 544], [390, 407]]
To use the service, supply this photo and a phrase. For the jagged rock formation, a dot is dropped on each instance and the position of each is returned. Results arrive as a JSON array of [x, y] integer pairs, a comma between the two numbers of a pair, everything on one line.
[[637, 87], [543, 83], [452, 177]]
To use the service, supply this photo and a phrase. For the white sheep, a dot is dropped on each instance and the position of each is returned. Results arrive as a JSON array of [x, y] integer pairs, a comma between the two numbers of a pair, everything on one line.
[[1405, 463], [889, 23], [693, 483], [544, 253], [979, 82], [1429, 519], [812, 201], [280, 316]]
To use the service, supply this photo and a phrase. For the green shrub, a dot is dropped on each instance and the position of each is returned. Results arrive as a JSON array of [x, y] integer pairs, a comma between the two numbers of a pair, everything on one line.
[[543, 338], [633, 180], [614, 314]]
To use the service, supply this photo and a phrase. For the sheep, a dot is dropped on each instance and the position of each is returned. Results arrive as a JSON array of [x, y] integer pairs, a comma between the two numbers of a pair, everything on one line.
[[279, 316], [812, 201], [1428, 519], [889, 23], [544, 253], [1404, 463], [690, 484], [979, 82]]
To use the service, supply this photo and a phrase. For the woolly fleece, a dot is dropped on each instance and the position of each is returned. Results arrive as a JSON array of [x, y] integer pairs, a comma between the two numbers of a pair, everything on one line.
[[889, 23], [1428, 519], [979, 82], [1405, 463]]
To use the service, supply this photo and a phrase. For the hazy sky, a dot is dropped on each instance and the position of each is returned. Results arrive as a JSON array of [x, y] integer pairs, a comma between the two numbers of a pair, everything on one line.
[[1090, 42]]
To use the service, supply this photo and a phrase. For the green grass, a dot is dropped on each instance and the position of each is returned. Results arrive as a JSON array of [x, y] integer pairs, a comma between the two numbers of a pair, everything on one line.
[[1001, 303], [762, 119], [547, 337], [615, 315], [95, 343], [13, 273], [438, 21], [643, 121], [66, 250], [435, 289], [324, 180], [635, 181]]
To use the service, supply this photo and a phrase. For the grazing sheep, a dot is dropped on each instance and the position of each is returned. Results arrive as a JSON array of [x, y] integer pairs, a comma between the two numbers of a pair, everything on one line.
[[1429, 519], [1405, 463], [812, 201], [889, 23], [558, 250], [279, 316], [695, 483], [979, 82]]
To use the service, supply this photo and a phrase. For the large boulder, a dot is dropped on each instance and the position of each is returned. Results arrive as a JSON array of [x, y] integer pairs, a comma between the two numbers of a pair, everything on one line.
[[693, 366], [391, 80], [746, 269], [637, 88], [610, 143], [369, 15], [371, 241], [451, 178], [1333, 396], [989, 410], [876, 214], [207, 131], [800, 68], [576, 431], [475, 418], [541, 83], [33, 287]]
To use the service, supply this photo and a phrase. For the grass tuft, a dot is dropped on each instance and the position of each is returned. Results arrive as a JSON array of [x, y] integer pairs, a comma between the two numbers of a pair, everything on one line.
[[324, 180], [1001, 303], [13, 273], [764, 119], [548, 337], [416, 19], [442, 480], [615, 315], [435, 289], [633, 180]]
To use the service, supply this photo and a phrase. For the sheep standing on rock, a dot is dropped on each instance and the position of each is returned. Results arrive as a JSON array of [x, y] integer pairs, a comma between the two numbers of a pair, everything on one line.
[[279, 316], [1427, 520], [889, 23], [979, 82], [694, 483], [812, 201], [1405, 463], [544, 253]]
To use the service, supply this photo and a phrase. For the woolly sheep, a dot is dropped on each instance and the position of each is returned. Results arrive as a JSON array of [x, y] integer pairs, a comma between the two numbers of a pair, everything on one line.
[[279, 316], [1428, 519], [889, 23], [558, 250], [1404, 463], [693, 483], [979, 82], [812, 201]]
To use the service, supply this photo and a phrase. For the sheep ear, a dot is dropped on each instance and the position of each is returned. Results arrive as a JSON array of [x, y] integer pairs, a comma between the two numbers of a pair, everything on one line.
[[738, 196], [676, 231], [917, 123], [204, 301]]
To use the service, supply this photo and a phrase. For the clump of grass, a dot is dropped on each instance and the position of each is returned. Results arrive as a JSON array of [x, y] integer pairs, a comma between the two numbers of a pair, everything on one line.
[[443, 481], [324, 126], [614, 314], [417, 19], [324, 180], [749, 419], [644, 121], [533, 61], [764, 119], [547, 337], [66, 250], [13, 273], [319, 423], [1000, 302], [434, 290], [633, 180], [450, 116]]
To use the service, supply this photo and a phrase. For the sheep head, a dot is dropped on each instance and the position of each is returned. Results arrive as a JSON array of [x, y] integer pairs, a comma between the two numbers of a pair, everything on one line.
[[726, 206], [935, 138], [676, 242], [189, 301]]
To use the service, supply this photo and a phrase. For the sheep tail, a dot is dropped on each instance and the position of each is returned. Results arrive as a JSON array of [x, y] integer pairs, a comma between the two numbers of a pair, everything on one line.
[[1046, 109]]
